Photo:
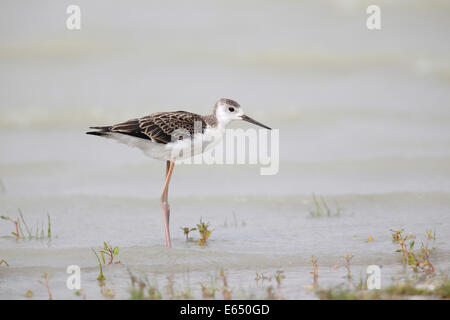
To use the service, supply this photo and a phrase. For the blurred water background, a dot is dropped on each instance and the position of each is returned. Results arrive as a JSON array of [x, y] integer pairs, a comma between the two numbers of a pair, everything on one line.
[[363, 118]]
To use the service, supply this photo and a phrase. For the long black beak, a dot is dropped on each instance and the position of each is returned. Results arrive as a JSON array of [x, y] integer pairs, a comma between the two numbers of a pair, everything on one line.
[[248, 119]]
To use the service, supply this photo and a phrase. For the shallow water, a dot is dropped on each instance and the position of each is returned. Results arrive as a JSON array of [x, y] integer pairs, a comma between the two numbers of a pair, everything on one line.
[[363, 120]]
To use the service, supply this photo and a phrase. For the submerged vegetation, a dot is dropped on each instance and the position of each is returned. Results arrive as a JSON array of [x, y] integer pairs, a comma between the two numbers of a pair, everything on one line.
[[348, 258], [235, 222], [39, 232], [315, 271], [438, 289], [2, 187], [322, 209], [424, 284], [143, 289], [226, 290], [214, 287], [262, 277]]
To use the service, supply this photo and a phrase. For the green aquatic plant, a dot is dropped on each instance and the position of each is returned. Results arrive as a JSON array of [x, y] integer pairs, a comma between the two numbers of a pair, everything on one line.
[[45, 283], [279, 276], [404, 289], [186, 231], [29, 294], [315, 271], [208, 292], [226, 290], [80, 293], [49, 227], [20, 234], [109, 251], [107, 293], [339, 292], [203, 229], [443, 289], [170, 286], [143, 289], [16, 234], [322, 209], [30, 236], [431, 236], [262, 277], [100, 277], [205, 232], [348, 257], [418, 261], [271, 295]]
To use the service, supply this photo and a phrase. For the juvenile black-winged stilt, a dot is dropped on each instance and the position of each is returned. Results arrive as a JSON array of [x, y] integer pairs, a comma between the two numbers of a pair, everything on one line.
[[170, 136]]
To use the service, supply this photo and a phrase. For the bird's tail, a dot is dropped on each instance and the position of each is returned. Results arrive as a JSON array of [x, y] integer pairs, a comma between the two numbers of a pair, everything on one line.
[[102, 131]]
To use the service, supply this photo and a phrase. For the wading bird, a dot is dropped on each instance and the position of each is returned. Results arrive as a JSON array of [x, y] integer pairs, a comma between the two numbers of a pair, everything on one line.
[[170, 136]]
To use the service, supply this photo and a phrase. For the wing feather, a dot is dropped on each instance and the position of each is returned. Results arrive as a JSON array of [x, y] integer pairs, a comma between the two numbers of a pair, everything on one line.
[[160, 126]]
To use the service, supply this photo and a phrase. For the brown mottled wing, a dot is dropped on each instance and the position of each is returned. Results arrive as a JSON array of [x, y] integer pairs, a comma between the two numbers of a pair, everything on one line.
[[130, 127], [159, 127]]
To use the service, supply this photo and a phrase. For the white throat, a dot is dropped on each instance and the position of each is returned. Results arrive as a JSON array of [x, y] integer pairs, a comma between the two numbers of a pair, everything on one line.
[[223, 119]]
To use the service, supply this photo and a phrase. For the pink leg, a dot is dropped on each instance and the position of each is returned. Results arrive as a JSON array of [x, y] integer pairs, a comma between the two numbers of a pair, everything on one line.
[[165, 201]]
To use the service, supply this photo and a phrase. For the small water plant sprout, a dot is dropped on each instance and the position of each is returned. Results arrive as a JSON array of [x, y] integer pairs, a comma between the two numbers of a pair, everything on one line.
[[279, 276], [107, 293], [226, 291], [348, 257], [431, 236], [29, 294], [315, 271], [101, 277], [3, 261], [208, 292], [16, 234], [205, 232], [143, 289], [186, 231], [262, 277], [110, 252], [45, 283]]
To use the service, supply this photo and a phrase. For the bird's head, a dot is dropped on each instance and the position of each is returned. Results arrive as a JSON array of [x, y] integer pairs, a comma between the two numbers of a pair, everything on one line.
[[227, 110]]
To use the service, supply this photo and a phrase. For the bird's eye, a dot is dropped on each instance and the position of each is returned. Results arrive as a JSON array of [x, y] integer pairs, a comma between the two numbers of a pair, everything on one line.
[[231, 109]]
